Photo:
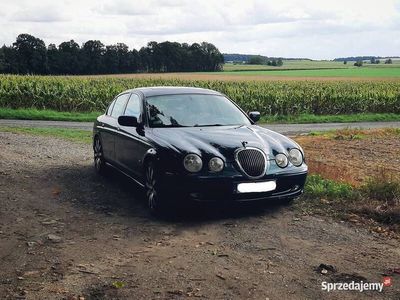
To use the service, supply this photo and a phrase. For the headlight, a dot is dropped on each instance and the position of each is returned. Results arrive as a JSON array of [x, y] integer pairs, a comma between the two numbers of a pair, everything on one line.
[[192, 163], [281, 160], [295, 157], [215, 164]]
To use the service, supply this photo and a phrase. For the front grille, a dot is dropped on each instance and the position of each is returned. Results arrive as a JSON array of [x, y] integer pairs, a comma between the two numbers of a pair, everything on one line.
[[251, 161]]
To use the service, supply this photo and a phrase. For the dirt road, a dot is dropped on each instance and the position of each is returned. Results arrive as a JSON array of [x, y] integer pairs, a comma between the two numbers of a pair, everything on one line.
[[66, 233]]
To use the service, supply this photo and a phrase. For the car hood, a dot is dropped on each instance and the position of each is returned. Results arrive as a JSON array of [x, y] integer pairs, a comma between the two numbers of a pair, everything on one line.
[[222, 140]]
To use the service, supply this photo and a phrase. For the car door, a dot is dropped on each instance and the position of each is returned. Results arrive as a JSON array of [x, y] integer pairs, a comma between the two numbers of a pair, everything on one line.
[[132, 143], [110, 127], [105, 134]]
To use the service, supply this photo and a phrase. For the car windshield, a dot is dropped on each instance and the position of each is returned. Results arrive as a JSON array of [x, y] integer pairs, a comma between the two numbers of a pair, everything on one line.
[[192, 110]]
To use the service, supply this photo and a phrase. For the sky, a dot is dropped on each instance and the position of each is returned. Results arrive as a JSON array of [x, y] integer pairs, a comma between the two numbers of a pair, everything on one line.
[[322, 29]]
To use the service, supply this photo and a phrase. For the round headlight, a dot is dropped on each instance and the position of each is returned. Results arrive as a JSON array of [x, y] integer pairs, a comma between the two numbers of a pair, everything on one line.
[[295, 156], [192, 163], [281, 160], [215, 164]]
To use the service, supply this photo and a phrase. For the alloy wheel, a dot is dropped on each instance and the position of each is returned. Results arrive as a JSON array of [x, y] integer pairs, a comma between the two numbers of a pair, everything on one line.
[[151, 188], [98, 156]]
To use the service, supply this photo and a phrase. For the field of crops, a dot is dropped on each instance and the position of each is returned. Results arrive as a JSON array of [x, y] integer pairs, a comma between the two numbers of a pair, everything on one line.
[[269, 97]]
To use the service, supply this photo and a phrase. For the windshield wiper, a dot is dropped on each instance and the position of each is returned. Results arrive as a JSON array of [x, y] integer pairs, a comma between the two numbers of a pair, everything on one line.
[[208, 125], [168, 125]]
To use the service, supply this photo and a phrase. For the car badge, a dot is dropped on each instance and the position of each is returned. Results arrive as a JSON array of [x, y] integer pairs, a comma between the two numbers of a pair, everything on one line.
[[244, 144]]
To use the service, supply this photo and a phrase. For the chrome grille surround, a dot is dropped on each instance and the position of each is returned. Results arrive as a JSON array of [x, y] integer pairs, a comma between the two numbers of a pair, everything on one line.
[[251, 161]]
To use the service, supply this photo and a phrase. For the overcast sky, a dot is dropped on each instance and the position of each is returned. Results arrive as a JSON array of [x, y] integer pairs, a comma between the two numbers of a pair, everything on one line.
[[322, 29]]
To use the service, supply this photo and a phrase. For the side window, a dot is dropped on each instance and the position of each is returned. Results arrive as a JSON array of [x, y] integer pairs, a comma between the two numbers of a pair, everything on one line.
[[109, 109], [133, 107], [119, 105]]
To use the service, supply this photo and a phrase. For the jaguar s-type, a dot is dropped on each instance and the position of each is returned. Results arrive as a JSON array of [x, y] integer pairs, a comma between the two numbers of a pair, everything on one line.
[[195, 144]]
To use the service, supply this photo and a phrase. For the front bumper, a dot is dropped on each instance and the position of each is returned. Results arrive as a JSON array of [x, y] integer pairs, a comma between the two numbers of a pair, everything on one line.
[[218, 189]]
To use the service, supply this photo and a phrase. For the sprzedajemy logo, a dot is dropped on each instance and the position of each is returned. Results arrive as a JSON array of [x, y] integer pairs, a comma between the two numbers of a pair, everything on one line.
[[356, 286]]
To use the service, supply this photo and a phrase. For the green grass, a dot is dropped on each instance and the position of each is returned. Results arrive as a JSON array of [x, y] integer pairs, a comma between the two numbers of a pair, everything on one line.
[[376, 203], [74, 135], [355, 133], [45, 114], [318, 187], [343, 72], [310, 118]]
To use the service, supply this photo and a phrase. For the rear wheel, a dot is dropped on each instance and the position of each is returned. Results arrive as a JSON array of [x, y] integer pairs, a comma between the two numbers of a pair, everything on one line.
[[99, 162]]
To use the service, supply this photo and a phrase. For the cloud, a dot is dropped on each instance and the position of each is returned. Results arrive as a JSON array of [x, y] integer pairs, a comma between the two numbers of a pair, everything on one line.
[[40, 14], [123, 7], [307, 28]]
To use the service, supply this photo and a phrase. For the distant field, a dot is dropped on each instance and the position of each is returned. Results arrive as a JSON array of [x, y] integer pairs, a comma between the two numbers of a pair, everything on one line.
[[312, 68], [344, 72], [289, 65]]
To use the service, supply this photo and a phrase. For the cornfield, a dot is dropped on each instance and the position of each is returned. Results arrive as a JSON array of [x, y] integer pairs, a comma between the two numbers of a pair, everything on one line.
[[268, 97]]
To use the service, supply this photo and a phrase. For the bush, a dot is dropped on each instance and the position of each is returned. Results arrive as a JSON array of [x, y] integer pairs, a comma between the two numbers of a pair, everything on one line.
[[382, 188]]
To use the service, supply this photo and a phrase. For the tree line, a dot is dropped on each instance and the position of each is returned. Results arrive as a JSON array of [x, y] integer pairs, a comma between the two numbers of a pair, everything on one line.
[[262, 60], [29, 55]]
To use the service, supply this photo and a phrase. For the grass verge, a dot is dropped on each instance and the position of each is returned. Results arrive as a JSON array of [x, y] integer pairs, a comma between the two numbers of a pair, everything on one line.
[[49, 115], [376, 203], [350, 134], [75, 135], [310, 118]]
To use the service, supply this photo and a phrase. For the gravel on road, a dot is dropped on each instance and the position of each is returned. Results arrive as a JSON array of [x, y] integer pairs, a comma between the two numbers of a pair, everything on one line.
[[66, 233]]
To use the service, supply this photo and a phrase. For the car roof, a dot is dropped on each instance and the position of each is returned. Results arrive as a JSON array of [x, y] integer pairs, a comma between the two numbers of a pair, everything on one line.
[[172, 90]]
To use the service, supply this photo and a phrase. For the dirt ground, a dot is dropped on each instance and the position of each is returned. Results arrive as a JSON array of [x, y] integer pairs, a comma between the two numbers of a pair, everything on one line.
[[345, 157], [67, 233]]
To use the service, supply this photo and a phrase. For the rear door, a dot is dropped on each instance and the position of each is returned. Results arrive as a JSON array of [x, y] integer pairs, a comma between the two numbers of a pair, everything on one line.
[[110, 127]]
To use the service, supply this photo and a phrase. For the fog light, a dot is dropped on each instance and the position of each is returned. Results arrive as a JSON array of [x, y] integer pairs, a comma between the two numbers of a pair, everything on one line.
[[295, 188]]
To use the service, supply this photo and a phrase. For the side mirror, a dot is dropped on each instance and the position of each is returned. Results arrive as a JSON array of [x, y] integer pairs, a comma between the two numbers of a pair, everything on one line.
[[129, 121], [254, 116]]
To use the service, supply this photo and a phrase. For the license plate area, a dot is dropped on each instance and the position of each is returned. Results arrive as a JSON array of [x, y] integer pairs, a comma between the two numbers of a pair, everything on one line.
[[256, 187]]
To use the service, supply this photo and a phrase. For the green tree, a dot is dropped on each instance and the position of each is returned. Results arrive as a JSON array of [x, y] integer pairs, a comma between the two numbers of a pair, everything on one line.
[[31, 55], [256, 60], [92, 57]]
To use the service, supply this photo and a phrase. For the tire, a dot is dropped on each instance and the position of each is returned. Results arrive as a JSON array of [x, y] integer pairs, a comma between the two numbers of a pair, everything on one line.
[[98, 157], [155, 197]]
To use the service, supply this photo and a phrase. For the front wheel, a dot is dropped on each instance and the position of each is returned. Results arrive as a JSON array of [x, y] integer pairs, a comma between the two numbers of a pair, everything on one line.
[[99, 162], [154, 194]]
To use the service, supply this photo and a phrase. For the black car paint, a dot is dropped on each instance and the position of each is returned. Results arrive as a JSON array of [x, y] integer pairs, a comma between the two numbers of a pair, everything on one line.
[[127, 148]]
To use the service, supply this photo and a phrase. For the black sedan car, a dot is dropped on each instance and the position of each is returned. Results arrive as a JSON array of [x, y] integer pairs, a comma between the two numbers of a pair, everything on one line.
[[195, 144]]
